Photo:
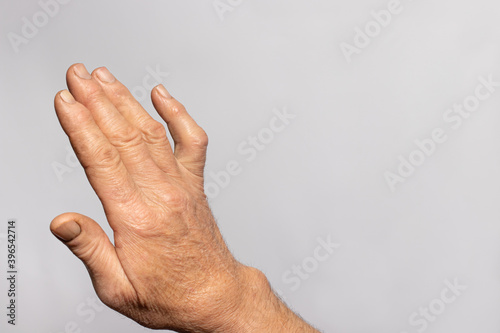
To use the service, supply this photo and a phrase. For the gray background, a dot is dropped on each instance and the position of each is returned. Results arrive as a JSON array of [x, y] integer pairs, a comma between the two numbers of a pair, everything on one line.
[[323, 175]]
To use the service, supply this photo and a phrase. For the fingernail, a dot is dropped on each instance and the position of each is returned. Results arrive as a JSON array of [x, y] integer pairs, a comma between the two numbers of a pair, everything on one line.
[[163, 91], [82, 72], [67, 97], [68, 231], [104, 75]]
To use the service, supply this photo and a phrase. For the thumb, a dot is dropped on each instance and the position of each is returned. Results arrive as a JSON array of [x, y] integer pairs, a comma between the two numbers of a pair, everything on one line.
[[86, 239]]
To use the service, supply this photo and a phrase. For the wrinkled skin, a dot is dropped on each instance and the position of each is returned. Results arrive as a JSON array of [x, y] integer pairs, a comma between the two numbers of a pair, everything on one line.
[[169, 267]]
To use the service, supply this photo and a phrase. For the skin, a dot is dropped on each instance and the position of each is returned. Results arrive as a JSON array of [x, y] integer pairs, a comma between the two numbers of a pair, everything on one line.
[[169, 267]]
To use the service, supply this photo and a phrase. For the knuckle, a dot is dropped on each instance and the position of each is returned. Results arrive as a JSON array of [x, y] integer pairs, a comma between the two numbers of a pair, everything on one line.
[[128, 136], [105, 156], [90, 253], [177, 110], [94, 94], [123, 97], [155, 132], [200, 139], [120, 91], [178, 201]]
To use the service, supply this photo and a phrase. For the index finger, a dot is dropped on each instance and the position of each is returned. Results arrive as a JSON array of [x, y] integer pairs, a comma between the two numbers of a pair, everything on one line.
[[100, 159]]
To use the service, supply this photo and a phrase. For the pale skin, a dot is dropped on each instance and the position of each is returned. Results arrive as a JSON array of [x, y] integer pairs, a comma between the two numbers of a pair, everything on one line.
[[169, 267]]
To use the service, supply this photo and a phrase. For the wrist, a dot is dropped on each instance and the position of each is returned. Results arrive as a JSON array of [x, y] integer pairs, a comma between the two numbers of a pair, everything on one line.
[[258, 308]]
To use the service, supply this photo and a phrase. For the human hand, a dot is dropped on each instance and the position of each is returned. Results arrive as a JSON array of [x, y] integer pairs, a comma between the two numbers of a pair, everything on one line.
[[169, 267]]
